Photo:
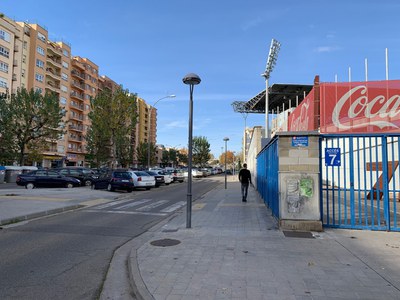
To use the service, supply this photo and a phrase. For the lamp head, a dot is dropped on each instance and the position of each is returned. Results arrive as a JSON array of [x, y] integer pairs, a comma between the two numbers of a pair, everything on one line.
[[191, 79], [226, 139]]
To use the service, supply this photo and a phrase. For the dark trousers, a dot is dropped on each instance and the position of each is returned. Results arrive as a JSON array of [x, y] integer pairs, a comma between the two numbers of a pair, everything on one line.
[[245, 187]]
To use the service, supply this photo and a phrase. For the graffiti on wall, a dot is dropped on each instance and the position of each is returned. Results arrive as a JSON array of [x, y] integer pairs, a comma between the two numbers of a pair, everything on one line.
[[298, 192]]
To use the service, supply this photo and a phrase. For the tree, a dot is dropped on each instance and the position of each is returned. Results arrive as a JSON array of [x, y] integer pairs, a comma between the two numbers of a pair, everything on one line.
[[113, 119], [29, 119], [201, 151], [229, 158], [165, 158], [173, 156], [183, 156]]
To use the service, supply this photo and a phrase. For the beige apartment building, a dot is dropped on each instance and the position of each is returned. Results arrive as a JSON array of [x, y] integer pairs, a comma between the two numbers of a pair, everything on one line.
[[144, 133], [29, 59]]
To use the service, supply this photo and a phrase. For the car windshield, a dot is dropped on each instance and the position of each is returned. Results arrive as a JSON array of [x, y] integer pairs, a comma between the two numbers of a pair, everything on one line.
[[152, 173]]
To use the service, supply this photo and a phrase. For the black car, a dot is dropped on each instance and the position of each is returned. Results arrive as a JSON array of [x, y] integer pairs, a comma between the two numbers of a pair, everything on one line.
[[159, 178], [46, 178], [85, 175], [114, 180]]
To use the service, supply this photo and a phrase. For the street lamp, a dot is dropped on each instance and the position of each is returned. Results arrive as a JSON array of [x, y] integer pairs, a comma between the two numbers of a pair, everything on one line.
[[271, 62], [191, 79], [226, 139], [149, 139]]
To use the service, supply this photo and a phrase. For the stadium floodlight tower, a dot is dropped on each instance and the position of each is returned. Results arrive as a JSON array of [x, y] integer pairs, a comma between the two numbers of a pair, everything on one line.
[[271, 62]]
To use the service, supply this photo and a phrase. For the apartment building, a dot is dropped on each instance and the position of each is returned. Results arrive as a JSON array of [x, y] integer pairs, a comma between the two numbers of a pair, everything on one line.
[[13, 56], [144, 131], [29, 59]]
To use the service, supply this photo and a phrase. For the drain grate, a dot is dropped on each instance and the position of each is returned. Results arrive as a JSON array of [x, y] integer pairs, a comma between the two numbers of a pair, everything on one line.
[[298, 234], [165, 242]]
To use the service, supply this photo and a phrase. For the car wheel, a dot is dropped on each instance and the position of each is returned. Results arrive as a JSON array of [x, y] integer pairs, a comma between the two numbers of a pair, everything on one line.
[[110, 188], [69, 185], [147, 188], [87, 182], [29, 186], [129, 190]]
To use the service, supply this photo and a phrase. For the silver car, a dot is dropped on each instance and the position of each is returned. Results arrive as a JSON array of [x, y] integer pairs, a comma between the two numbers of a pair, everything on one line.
[[143, 180]]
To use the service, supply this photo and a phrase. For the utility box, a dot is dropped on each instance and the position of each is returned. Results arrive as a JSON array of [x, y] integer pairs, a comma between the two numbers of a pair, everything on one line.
[[2, 174], [11, 173]]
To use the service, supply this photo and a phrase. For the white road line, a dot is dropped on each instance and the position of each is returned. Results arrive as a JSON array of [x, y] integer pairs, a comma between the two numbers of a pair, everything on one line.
[[112, 203], [125, 212], [152, 205], [133, 204], [174, 207]]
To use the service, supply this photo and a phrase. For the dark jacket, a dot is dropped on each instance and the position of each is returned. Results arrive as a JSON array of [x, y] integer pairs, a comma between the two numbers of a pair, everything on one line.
[[244, 176]]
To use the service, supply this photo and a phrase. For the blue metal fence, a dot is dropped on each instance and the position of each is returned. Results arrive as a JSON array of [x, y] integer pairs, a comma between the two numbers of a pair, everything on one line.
[[363, 190], [268, 176]]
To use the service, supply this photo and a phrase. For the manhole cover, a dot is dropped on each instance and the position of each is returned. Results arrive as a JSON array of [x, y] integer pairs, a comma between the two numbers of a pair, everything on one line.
[[165, 243], [298, 234]]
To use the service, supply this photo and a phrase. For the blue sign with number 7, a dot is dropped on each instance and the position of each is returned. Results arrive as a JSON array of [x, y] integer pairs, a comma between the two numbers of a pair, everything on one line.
[[332, 157]]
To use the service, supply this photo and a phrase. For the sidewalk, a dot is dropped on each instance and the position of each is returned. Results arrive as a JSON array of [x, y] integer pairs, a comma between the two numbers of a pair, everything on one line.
[[235, 250]]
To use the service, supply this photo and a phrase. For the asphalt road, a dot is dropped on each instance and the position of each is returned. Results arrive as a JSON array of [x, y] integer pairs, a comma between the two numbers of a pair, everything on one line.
[[67, 256]]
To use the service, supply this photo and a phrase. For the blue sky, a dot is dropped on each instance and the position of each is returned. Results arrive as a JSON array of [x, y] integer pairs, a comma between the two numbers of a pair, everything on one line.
[[149, 46]]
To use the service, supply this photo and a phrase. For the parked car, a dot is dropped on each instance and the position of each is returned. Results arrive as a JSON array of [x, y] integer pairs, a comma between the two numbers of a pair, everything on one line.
[[168, 178], [46, 178], [85, 175], [159, 178], [177, 175], [114, 180], [141, 179]]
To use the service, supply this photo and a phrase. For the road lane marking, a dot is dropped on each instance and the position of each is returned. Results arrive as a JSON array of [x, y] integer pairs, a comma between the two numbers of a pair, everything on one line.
[[174, 207], [125, 212], [152, 206], [133, 204]]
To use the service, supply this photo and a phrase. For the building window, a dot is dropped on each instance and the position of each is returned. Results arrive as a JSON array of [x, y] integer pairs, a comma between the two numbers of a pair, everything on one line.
[[40, 63], [41, 37], [40, 50], [24, 58], [4, 52], [39, 77], [38, 89], [3, 67], [63, 100], [4, 35], [64, 76], [23, 72], [25, 46], [66, 53], [3, 82], [65, 65], [64, 88]]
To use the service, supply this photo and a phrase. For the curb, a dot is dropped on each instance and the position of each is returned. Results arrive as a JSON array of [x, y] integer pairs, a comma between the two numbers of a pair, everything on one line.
[[39, 214]]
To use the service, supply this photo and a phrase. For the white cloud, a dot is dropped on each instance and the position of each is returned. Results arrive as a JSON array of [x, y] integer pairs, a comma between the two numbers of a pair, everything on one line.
[[176, 124], [322, 49]]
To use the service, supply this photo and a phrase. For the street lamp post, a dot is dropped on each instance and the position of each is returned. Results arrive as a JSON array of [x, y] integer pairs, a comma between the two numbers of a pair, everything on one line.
[[191, 79], [226, 139], [149, 139], [271, 62]]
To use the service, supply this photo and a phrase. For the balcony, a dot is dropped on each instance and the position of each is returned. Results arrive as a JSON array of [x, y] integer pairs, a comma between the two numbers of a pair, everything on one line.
[[78, 64], [78, 85], [15, 63], [78, 128], [75, 150], [80, 107], [76, 117], [53, 85], [54, 61], [16, 48], [14, 77], [77, 95], [76, 73], [75, 138], [53, 73]]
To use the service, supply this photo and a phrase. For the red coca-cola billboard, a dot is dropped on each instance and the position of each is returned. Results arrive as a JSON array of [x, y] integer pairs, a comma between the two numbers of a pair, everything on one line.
[[360, 107], [302, 118]]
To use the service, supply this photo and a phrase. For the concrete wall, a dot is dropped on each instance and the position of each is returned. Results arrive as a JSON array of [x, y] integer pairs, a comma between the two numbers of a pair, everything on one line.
[[299, 205]]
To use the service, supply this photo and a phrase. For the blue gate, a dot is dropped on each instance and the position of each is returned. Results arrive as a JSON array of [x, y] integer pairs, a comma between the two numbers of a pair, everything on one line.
[[268, 176], [360, 181]]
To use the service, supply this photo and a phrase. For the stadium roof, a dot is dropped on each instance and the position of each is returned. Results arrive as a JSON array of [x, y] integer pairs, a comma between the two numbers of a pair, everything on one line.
[[279, 95]]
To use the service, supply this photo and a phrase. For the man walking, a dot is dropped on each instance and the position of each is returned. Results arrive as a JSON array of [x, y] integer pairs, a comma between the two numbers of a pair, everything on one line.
[[245, 179]]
